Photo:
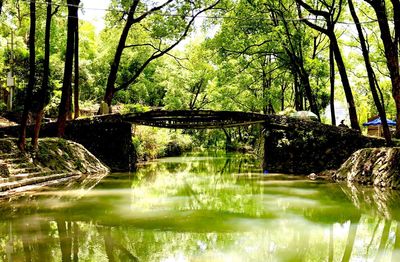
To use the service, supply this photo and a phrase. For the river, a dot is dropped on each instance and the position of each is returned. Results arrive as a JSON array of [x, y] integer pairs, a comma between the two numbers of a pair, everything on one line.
[[203, 207]]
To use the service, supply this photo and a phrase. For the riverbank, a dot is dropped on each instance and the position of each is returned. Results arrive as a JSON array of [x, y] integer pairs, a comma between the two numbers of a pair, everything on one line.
[[56, 162]]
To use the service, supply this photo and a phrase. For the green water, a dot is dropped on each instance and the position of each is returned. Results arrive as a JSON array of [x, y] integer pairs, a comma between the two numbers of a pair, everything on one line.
[[209, 207]]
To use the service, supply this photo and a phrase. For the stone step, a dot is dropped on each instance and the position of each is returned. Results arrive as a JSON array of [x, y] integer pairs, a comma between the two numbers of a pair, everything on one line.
[[32, 187], [11, 155], [30, 175], [17, 171], [20, 165], [15, 160], [33, 180]]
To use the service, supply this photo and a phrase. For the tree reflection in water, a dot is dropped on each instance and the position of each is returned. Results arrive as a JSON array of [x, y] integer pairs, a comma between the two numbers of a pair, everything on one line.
[[203, 208]]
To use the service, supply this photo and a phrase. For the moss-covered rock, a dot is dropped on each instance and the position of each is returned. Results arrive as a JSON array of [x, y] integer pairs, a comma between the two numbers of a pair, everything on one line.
[[67, 156], [372, 166]]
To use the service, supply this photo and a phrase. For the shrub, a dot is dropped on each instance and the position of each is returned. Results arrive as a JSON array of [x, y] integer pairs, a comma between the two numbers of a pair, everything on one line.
[[134, 108], [150, 142]]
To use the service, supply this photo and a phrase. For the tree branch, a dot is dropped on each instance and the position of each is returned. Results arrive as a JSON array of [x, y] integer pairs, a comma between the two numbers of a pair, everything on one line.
[[55, 11], [313, 11], [141, 45], [144, 15], [247, 48], [308, 23], [158, 54]]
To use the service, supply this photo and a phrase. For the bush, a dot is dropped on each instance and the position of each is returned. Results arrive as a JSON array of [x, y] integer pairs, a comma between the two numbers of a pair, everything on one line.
[[134, 108], [150, 142]]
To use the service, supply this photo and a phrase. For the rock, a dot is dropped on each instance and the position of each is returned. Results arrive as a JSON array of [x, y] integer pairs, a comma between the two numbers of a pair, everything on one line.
[[312, 176], [64, 155], [104, 109], [324, 175], [372, 166]]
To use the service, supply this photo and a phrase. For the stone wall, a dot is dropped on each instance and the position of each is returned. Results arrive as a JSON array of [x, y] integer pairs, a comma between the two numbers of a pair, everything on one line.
[[304, 147], [111, 142], [372, 166]]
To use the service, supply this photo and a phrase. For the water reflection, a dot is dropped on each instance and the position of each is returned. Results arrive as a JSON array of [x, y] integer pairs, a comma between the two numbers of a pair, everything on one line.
[[203, 208]]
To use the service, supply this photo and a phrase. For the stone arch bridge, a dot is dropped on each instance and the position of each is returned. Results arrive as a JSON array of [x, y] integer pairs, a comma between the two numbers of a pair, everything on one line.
[[291, 145]]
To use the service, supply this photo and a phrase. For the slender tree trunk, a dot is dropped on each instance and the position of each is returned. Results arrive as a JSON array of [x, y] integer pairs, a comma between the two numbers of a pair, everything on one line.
[[329, 17], [332, 83], [46, 73], [371, 75], [130, 20], [36, 130], [298, 97], [65, 103], [391, 54], [32, 72], [345, 81], [112, 76], [76, 67], [1, 6], [283, 89], [305, 80]]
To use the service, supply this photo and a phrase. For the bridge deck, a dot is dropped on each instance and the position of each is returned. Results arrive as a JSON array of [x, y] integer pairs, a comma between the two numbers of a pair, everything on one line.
[[186, 119]]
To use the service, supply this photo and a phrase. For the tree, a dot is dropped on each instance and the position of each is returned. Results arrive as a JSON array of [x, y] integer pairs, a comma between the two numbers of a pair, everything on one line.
[[76, 73], [391, 44], [331, 16], [272, 56], [295, 39], [44, 93], [135, 16], [332, 83], [371, 74], [188, 82], [65, 103], [32, 72]]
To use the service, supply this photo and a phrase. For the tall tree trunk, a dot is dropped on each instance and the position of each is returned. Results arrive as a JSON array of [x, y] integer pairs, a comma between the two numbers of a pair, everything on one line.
[[331, 16], [345, 81], [65, 103], [391, 54], [32, 72], [298, 95], [112, 76], [1, 6], [43, 93], [332, 83], [76, 67], [305, 80], [371, 75], [283, 88]]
